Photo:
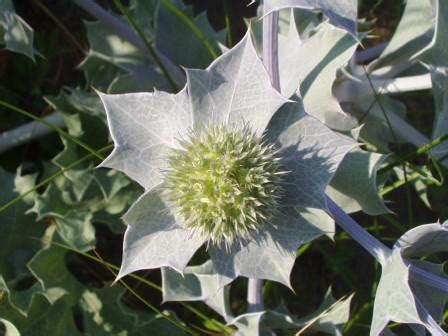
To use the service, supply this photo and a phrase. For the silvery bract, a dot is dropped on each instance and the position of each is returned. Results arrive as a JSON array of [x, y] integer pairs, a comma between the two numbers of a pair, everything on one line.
[[234, 90], [400, 296], [341, 13]]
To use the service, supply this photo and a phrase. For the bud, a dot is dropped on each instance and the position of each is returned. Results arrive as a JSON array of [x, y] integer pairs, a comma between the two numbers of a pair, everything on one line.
[[223, 182]]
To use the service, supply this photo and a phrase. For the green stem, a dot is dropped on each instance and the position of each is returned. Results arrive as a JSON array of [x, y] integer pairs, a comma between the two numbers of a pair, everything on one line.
[[228, 26], [148, 45], [421, 150], [61, 132]]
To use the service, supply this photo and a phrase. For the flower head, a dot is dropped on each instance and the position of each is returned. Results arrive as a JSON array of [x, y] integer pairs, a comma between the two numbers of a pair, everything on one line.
[[220, 184], [224, 182]]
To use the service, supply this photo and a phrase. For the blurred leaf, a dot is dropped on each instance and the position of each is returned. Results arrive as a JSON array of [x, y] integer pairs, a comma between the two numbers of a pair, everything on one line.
[[10, 329], [104, 314], [436, 55], [43, 318], [413, 31], [21, 244], [174, 37], [115, 65], [15, 33]]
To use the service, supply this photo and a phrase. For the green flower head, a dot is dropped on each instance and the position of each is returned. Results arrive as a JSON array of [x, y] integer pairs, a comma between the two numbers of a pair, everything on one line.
[[224, 182], [214, 172]]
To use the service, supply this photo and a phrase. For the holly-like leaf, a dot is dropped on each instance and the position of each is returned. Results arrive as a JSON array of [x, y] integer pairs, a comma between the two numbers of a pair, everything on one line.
[[143, 127], [21, 244], [436, 55], [49, 267], [44, 318], [104, 314], [198, 283], [402, 298], [341, 13], [313, 64], [15, 33], [117, 65], [413, 31], [233, 90], [354, 186], [154, 237]]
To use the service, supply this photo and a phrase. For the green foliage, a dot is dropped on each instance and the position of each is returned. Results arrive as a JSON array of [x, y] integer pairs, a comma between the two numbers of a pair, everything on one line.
[[15, 33]]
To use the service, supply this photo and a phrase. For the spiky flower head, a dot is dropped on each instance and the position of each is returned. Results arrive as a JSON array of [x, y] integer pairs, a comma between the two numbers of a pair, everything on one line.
[[224, 182]]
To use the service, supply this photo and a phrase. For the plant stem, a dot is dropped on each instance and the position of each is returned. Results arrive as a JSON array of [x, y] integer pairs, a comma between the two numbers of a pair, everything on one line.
[[270, 45], [126, 33], [254, 296], [360, 88], [61, 132], [419, 151], [270, 60], [228, 26], [370, 53], [30, 131], [377, 249]]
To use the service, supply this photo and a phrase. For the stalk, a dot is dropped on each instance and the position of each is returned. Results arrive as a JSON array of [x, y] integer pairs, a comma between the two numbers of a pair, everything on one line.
[[372, 245], [270, 61], [28, 132], [254, 296], [380, 251], [361, 88]]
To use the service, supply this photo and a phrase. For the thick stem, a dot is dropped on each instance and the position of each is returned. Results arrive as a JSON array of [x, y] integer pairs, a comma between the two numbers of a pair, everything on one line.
[[428, 278], [370, 53], [254, 295], [30, 131], [270, 61], [377, 249], [270, 45], [349, 89]]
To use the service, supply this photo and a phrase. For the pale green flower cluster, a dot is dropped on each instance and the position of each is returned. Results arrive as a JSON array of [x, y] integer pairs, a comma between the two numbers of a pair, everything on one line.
[[224, 182]]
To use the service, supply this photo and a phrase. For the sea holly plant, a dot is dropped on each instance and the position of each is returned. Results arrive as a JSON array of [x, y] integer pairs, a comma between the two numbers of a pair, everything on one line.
[[243, 165], [229, 164], [219, 169]]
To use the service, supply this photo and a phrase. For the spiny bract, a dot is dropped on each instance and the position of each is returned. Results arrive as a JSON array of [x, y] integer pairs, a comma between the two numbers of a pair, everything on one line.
[[224, 182]]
